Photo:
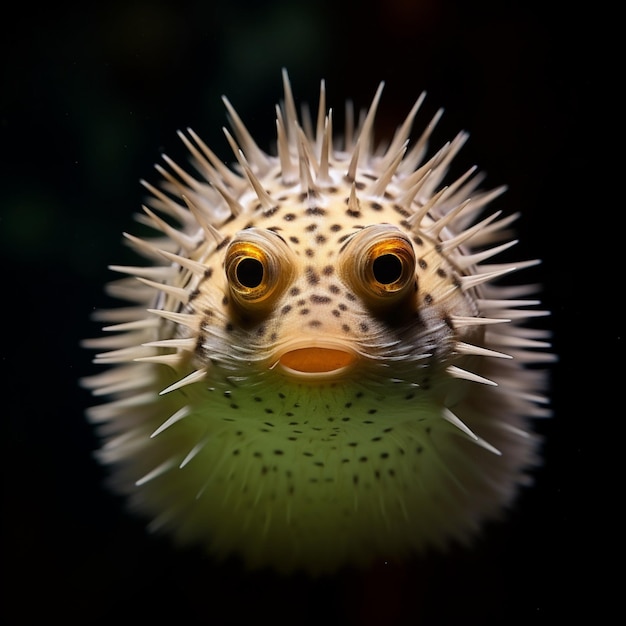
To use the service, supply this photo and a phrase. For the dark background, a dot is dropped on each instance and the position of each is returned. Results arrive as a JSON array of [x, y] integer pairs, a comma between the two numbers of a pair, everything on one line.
[[89, 99]]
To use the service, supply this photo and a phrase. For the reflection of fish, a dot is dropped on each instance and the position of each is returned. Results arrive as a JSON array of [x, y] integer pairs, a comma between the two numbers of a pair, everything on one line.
[[317, 368]]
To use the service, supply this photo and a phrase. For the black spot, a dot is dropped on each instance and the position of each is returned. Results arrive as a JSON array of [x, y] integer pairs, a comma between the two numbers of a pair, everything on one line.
[[422, 263], [315, 210], [225, 300], [376, 206], [278, 452], [418, 240], [345, 328], [312, 276], [223, 243], [200, 342], [294, 240], [384, 455], [342, 307], [234, 406], [320, 299], [363, 459], [335, 313], [229, 327], [364, 327], [328, 270], [270, 212], [401, 210], [334, 289], [294, 291], [289, 217], [315, 323], [320, 239], [428, 299], [311, 227], [309, 252], [304, 311], [372, 411], [286, 309], [352, 213], [441, 272], [335, 228]]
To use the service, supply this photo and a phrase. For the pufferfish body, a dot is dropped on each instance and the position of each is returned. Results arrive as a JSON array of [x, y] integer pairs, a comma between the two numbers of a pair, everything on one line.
[[318, 367]]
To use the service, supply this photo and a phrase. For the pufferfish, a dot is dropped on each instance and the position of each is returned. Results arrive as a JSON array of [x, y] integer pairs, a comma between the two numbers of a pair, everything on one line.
[[319, 366]]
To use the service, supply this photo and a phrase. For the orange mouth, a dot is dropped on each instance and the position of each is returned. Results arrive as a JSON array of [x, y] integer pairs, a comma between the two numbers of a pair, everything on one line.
[[316, 360]]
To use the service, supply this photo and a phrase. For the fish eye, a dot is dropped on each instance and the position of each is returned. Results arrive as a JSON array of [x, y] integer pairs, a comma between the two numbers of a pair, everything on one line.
[[249, 272], [387, 269], [379, 263], [257, 268], [389, 266]]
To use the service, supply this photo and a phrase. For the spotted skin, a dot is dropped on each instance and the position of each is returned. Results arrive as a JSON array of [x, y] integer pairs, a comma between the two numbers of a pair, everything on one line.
[[315, 371]]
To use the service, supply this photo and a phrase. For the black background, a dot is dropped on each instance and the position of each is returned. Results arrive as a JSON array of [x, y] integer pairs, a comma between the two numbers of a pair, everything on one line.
[[92, 96]]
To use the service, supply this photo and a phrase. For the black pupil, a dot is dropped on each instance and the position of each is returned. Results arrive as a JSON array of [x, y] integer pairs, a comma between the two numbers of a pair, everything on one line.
[[387, 268], [250, 272]]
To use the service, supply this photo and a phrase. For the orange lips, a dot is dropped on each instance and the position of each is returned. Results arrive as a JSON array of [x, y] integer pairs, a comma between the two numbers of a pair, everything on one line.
[[316, 360]]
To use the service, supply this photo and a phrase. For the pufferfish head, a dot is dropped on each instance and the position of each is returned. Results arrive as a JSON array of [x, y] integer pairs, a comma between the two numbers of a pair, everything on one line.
[[319, 367]]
